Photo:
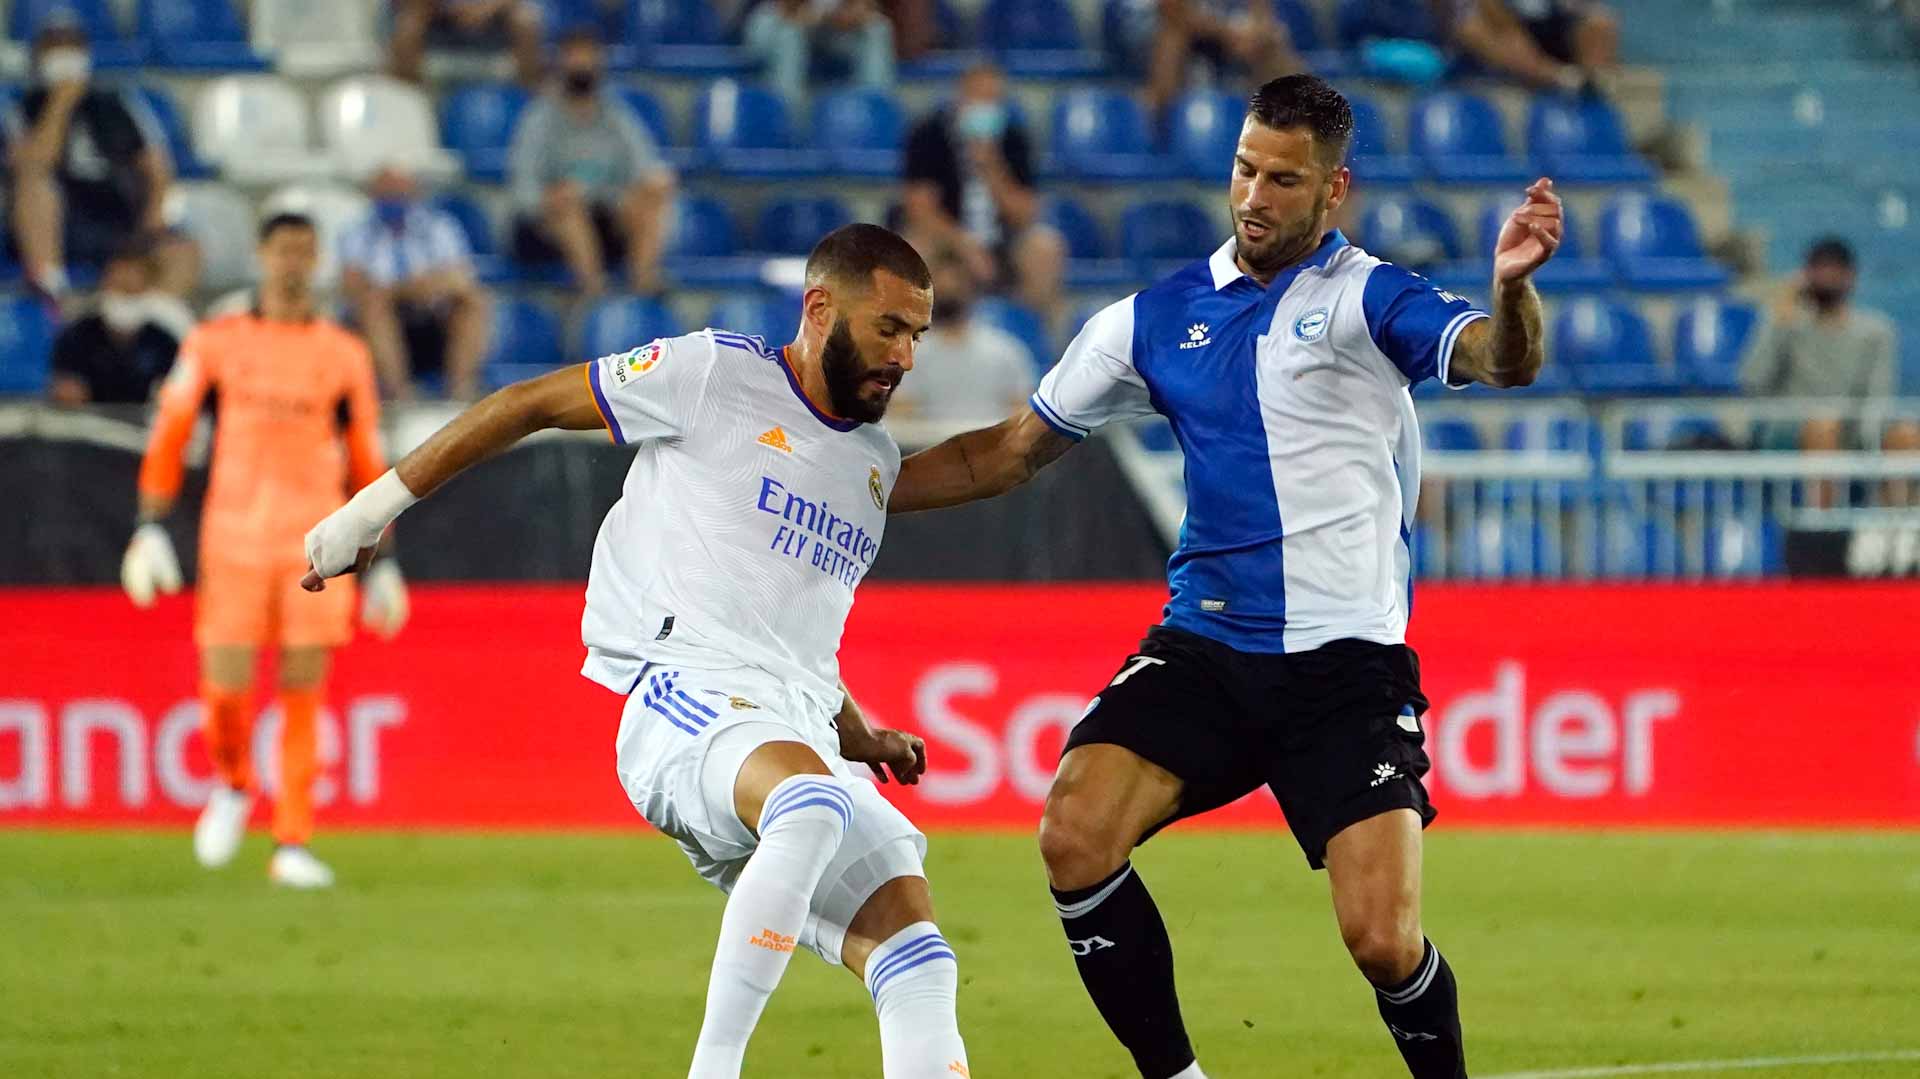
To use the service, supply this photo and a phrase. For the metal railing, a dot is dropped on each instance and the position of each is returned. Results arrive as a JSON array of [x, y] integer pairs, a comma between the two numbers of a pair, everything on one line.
[[1561, 489]]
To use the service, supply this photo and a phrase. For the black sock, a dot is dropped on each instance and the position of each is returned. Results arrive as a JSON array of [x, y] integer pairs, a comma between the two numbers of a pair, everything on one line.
[[1126, 962], [1423, 1015]]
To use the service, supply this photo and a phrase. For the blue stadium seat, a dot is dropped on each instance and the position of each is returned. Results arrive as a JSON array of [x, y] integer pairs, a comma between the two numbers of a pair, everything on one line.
[[186, 163], [861, 131], [1548, 433], [1372, 155], [1709, 339], [768, 316], [792, 226], [1607, 348], [1104, 135], [744, 130], [488, 266], [702, 248], [1458, 139], [1581, 141], [1020, 323], [202, 34], [109, 46], [1037, 39], [1452, 435], [1356, 21], [1166, 231], [526, 342], [477, 123], [1571, 270], [1408, 230], [26, 343], [673, 36], [1204, 127], [625, 322], [1090, 261], [1654, 245], [653, 117]]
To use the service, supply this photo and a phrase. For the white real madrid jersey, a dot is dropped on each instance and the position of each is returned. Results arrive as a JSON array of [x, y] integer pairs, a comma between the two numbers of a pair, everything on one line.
[[748, 517], [1291, 404]]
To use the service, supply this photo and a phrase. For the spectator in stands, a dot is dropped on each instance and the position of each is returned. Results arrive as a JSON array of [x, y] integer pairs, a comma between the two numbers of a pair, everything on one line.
[[90, 169], [1816, 343], [785, 36], [588, 180], [1545, 44], [520, 22], [970, 186], [117, 353], [1166, 38], [965, 372], [407, 273]]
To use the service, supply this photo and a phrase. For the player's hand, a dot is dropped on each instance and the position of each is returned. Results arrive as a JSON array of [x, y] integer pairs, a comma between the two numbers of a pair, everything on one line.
[[340, 543], [149, 565], [384, 605], [1530, 235], [875, 747]]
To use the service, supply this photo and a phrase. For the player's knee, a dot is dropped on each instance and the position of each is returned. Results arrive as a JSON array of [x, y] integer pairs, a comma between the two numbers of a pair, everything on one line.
[[1078, 848], [817, 807], [1386, 949]]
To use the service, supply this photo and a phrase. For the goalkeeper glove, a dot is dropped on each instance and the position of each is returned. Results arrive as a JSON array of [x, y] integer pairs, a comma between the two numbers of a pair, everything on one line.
[[149, 565]]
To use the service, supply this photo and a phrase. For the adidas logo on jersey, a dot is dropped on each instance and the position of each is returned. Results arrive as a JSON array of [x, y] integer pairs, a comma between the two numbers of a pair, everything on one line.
[[776, 438]]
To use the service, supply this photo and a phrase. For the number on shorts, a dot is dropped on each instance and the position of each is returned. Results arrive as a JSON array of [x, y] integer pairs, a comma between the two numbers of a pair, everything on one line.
[[1140, 663]]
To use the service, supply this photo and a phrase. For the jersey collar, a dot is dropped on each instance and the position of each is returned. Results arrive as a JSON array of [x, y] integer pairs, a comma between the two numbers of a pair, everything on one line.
[[821, 414], [1226, 271]]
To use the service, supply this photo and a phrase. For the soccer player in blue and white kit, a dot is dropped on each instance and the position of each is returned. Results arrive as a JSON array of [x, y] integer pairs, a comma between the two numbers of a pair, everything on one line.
[[1283, 363], [721, 583]]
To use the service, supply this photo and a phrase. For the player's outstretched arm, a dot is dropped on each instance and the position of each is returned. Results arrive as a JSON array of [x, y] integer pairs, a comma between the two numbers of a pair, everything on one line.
[[979, 464], [346, 539], [1509, 349]]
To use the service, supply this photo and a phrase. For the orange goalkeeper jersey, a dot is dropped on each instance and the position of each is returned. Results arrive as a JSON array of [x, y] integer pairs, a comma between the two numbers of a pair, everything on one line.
[[295, 431]]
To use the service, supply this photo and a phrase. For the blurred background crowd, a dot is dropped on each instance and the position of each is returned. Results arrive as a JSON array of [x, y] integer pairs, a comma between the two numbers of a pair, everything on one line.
[[506, 185]]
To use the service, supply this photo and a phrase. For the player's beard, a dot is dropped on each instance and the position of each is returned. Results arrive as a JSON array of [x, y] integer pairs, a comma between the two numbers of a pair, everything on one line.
[[1287, 243], [847, 377]]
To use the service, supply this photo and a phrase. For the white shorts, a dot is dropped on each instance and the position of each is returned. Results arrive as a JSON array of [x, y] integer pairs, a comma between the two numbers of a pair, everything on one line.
[[684, 735]]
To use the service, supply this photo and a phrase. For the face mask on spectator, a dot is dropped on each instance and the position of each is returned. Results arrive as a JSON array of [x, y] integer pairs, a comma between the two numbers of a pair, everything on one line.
[[982, 120], [65, 65], [122, 313], [580, 81], [1827, 297], [392, 212]]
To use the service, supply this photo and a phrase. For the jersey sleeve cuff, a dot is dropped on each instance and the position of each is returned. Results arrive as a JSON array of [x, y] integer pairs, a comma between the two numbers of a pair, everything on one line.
[[601, 406], [1444, 361], [1054, 420]]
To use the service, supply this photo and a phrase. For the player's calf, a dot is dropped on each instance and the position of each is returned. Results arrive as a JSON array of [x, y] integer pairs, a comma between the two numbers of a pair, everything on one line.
[[913, 976]]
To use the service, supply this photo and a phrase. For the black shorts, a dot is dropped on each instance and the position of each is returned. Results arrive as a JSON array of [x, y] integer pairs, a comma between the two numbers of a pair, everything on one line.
[[425, 330], [1334, 731], [532, 245]]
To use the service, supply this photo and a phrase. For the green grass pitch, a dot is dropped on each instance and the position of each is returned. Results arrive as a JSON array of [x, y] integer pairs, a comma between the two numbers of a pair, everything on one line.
[[464, 955]]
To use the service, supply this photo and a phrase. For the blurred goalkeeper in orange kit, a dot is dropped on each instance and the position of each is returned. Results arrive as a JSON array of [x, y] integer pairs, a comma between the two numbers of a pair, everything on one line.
[[295, 434]]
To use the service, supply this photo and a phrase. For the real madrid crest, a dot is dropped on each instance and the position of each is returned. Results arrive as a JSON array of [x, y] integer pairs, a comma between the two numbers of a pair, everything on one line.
[[873, 488]]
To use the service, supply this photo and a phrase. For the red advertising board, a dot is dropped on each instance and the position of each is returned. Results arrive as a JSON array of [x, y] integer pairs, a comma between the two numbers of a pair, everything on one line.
[[1776, 704]]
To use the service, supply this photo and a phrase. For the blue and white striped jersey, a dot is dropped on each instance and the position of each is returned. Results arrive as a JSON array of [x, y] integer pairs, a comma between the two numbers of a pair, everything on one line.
[[1302, 452]]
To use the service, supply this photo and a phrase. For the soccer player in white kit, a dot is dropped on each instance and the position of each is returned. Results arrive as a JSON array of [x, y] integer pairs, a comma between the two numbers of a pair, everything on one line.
[[720, 585]]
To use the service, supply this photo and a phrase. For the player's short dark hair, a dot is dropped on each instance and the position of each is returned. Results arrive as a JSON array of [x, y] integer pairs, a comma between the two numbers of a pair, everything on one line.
[[854, 252], [1305, 101], [286, 219], [1830, 251]]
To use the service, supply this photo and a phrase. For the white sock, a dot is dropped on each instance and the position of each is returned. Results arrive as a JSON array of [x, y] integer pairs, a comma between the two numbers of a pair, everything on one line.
[[1191, 1071], [801, 826], [914, 979]]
